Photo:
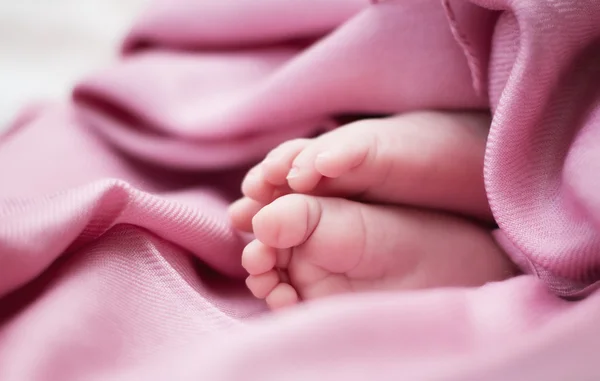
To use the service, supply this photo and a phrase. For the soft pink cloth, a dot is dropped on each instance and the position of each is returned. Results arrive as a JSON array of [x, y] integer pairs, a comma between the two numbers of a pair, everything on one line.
[[116, 258]]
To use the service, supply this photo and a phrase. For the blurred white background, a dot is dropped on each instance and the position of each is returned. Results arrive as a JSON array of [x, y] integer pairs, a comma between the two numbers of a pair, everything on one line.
[[47, 45]]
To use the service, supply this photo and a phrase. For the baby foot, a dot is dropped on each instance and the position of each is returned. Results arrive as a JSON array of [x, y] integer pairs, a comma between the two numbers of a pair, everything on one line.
[[310, 247], [432, 160]]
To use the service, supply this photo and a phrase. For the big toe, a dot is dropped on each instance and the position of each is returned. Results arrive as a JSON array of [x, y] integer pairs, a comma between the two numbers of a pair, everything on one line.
[[325, 232], [287, 222]]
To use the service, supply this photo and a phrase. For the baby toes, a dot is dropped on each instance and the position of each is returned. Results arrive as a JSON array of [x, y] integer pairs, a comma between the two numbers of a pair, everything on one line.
[[255, 186], [266, 266], [267, 180], [338, 160], [241, 213], [263, 284], [302, 176], [331, 155], [287, 221], [258, 258], [283, 295], [276, 166]]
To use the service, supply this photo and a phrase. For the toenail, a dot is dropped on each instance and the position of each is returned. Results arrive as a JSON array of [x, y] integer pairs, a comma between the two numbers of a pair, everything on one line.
[[293, 173], [323, 155]]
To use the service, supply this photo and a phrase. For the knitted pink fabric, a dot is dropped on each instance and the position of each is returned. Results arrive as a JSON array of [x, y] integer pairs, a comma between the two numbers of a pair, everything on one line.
[[117, 261]]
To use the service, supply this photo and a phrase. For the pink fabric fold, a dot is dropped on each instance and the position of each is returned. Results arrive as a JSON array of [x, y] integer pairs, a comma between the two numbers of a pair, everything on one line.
[[540, 161], [116, 257]]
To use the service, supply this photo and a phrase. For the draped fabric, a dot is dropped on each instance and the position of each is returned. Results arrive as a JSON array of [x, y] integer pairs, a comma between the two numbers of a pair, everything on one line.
[[116, 257]]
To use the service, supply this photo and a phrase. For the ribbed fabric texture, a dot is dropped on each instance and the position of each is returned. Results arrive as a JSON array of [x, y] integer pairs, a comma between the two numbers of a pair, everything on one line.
[[117, 261]]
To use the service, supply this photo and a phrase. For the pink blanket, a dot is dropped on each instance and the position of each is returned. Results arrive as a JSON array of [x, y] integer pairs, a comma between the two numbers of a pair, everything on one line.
[[116, 258]]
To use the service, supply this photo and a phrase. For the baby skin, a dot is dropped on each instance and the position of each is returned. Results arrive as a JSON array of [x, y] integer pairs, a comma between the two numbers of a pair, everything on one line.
[[381, 204]]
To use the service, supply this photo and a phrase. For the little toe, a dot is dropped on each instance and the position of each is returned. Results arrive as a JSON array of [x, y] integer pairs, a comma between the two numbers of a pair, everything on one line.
[[283, 295], [258, 258], [262, 285]]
